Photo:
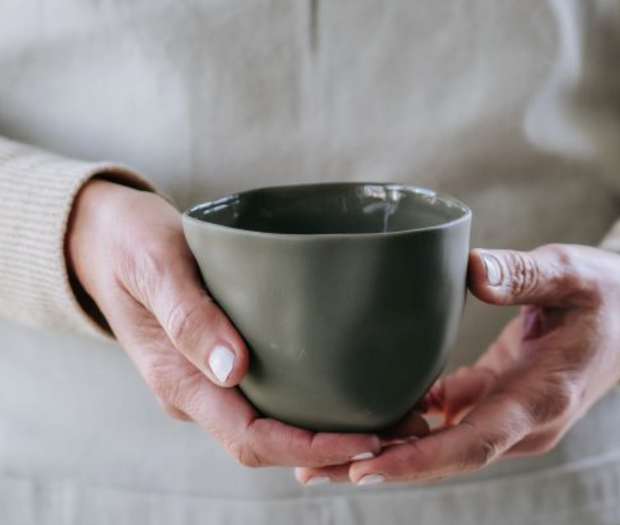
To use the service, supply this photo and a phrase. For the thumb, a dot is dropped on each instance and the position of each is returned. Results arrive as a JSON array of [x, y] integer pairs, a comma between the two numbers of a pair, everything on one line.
[[198, 328], [547, 276]]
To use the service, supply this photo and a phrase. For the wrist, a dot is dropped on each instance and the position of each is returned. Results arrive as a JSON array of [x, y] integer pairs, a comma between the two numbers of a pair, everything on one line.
[[86, 230], [84, 225]]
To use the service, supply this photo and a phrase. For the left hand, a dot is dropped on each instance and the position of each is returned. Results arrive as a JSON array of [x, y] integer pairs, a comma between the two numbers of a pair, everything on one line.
[[546, 369]]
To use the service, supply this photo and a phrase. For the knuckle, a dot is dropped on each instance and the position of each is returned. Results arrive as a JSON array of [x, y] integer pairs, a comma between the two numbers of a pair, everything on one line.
[[167, 384], [541, 443], [150, 264], [563, 402], [567, 257], [568, 267], [245, 455], [156, 260], [557, 402], [570, 274], [524, 275], [486, 448], [485, 452], [157, 379], [183, 321], [173, 411], [543, 447]]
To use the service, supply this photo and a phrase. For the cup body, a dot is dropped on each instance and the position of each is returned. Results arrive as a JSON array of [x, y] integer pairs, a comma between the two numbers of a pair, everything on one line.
[[346, 330]]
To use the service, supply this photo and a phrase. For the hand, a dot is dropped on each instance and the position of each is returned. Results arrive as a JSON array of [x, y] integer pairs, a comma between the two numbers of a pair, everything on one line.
[[548, 366], [128, 252]]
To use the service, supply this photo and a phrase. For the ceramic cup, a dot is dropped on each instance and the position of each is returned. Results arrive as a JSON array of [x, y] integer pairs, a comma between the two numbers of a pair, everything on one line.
[[349, 295]]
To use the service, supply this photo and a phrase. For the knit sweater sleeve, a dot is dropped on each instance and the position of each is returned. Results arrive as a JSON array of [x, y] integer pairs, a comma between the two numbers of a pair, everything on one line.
[[37, 190]]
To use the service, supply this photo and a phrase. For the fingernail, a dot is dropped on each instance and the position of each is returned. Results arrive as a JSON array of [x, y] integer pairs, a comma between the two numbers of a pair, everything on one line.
[[221, 362], [317, 480], [388, 442], [371, 479], [399, 440], [362, 455], [493, 269]]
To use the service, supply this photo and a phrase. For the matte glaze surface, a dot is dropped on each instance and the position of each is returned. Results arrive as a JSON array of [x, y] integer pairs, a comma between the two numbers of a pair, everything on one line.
[[349, 295]]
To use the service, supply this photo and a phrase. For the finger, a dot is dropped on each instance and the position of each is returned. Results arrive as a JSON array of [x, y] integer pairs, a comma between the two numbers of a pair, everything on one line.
[[177, 383], [467, 385], [173, 411], [198, 328], [226, 415], [485, 433], [319, 476], [257, 441], [534, 444], [280, 444], [308, 476], [433, 397], [539, 442], [552, 275], [462, 389], [458, 391]]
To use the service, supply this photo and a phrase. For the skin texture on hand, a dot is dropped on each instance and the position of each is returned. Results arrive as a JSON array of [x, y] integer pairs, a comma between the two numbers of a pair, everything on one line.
[[128, 252], [545, 370]]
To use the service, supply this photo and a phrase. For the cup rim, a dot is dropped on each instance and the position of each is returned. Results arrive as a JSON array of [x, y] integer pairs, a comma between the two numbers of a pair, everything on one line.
[[466, 216]]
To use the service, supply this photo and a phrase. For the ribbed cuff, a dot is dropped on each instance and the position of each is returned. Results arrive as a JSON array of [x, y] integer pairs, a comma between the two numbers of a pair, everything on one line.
[[37, 190]]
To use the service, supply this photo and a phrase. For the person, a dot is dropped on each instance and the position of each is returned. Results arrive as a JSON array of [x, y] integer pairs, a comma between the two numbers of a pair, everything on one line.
[[511, 107]]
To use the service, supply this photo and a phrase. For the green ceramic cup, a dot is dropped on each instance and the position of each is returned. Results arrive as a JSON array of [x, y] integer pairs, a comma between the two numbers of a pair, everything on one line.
[[349, 295]]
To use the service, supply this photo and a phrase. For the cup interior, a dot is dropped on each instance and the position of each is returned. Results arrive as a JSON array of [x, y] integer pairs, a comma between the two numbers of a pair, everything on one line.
[[332, 208]]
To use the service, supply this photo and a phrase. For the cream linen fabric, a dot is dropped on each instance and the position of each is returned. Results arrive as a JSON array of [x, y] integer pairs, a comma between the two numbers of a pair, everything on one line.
[[510, 106]]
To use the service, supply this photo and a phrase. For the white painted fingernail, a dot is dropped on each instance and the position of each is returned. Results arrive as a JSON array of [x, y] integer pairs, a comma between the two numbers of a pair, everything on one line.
[[493, 269], [221, 362], [371, 479], [317, 480], [362, 455]]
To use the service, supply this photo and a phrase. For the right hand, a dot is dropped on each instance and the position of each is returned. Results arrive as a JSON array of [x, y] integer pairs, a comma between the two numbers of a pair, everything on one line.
[[127, 250]]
